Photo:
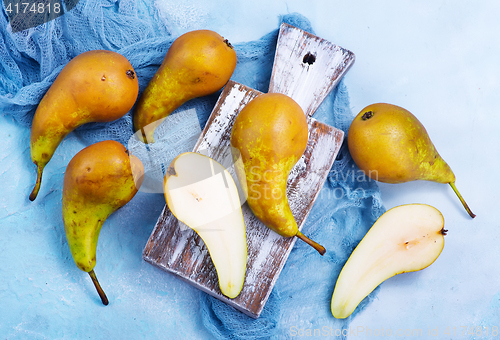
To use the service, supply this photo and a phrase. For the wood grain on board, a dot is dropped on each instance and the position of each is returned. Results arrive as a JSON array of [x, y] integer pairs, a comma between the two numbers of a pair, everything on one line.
[[180, 251], [307, 68]]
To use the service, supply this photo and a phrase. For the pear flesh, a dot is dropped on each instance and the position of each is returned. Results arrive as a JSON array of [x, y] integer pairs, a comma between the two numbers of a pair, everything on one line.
[[201, 193], [404, 239]]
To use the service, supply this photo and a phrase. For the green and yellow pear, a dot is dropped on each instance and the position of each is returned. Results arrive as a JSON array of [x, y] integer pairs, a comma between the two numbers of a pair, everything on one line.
[[404, 239], [270, 135], [99, 180], [201, 193], [95, 86], [389, 144], [198, 63]]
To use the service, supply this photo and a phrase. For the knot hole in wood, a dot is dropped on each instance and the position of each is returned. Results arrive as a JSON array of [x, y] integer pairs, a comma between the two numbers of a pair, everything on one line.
[[309, 58]]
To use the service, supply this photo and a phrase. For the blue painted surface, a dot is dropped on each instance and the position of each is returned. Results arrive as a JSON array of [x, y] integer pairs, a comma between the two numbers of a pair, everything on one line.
[[436, 58]]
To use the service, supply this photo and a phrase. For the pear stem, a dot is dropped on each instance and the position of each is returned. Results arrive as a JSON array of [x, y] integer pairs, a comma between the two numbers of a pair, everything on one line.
[[101, 293], [310, 242], [452, 184], [144, 137], [34, 193]]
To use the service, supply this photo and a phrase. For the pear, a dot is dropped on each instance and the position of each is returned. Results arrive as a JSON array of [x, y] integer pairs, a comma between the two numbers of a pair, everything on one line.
[[389, 144], [270, 135], [99, 180], [198, 63], [95, 86], [201, 193], [404, 239]]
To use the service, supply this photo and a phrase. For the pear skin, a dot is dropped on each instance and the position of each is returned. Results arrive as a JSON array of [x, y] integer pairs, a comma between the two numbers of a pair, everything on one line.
[[95, 86], [389, 144], [270, 134], [198, 63], [404, 239], [99, 180]]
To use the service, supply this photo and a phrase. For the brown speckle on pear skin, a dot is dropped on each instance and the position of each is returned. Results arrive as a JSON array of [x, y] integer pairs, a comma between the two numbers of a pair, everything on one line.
[[367, 115], [130, 74], [228, 43]]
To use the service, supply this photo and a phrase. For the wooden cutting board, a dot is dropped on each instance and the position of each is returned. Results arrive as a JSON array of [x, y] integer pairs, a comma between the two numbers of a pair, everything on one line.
[[305, 68]]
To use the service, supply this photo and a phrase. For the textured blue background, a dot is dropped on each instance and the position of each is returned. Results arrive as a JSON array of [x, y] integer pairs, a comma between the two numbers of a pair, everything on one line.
[[436, 58]]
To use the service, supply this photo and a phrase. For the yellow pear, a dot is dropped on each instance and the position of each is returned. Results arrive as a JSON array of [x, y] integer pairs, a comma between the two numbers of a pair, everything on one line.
[[389, 144], [198, 63], [95, 86], [404, 239], [270, 134], [99, 180]]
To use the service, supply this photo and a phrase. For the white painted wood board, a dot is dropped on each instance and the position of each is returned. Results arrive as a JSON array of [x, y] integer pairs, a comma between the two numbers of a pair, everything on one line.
[[180, 251], [307, 68]]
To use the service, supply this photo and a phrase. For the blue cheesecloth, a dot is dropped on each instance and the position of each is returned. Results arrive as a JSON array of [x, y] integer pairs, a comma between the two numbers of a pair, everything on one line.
[[348, 204]]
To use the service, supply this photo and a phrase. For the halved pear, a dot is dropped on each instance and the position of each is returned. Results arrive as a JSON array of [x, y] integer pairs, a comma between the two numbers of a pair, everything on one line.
[[201, 193], [406, 238]]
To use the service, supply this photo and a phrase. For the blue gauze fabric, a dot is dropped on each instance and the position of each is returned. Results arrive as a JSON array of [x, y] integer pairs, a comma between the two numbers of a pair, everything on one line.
[[348, 203], [30, 60]]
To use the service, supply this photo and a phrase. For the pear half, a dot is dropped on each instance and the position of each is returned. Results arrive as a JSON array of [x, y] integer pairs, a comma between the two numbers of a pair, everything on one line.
[[201, 193], [406, 238]]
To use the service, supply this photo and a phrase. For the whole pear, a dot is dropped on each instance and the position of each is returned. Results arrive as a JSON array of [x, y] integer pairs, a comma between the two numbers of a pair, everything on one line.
[[389, 144], [99, 180], [198, 63], [95, 86], [270, 135]]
